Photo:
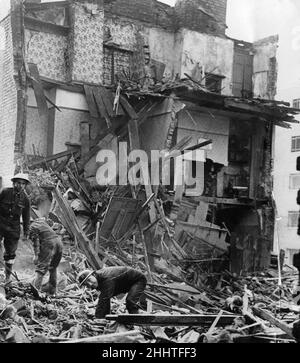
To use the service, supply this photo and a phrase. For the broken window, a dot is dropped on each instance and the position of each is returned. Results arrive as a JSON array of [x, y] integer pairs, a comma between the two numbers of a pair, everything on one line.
[[213, 82], [116, 62], [295, 181], [295, 143], [296, 103], [293, 219]]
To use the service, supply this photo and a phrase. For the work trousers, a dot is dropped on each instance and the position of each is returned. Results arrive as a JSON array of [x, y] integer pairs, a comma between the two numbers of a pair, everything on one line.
[[49, 256], [133, 297], [11, 235]]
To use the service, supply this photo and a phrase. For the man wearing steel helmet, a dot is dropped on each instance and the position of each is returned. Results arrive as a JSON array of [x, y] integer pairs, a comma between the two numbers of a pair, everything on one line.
[[14, 203], [113, 281]]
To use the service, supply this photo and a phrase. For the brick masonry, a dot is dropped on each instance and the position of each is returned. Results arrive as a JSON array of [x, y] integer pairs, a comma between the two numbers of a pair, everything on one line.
[[148, 11], [8, 102], [208, 16]]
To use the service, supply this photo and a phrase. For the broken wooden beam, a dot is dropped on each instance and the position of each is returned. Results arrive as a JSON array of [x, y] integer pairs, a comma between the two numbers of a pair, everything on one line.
[[82, 240], [172, 320], [265, 315], [91, 101], [39, 92], [108, 338], [53, 157]]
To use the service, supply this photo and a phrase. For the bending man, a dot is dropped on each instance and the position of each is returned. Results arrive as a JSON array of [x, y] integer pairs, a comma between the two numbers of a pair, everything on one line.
[[113, 281], [47, 247]]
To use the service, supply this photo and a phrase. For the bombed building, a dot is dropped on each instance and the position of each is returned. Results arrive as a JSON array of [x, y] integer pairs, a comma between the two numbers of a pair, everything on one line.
[[77, 77]]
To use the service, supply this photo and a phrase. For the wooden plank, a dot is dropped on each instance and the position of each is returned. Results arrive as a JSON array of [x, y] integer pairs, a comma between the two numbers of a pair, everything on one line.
[[128, 108], [91, 101], [39, 92], [201, 212], [173, 320], [101, 106], [82, 240], [50, 131], [107, 101], [44, 26], [265, 315], [53, 157], [108, 338], [85, 137], [134, 139], [114, 220]]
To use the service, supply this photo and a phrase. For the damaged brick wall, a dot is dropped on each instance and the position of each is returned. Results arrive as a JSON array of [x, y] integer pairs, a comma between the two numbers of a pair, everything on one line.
[[208, 16], [147, 11], [8, 101]]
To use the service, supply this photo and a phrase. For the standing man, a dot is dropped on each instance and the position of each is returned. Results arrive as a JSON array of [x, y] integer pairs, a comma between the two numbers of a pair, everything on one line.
[[47, 246], [113, 281], [14, 203]]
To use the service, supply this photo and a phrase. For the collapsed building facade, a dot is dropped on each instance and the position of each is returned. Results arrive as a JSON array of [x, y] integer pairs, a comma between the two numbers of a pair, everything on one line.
[[77, 72]]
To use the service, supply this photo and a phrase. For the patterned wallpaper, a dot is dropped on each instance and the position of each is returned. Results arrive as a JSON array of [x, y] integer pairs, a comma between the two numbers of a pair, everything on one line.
[[49, 52], [86, 38]]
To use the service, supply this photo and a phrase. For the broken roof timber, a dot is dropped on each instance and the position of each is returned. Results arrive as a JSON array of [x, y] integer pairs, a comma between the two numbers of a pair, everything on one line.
[[277, 112], [44, 26], [269, 110]]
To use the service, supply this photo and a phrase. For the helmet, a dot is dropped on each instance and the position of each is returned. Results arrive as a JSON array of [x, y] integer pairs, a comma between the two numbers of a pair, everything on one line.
[[84, 275], [22, 177]]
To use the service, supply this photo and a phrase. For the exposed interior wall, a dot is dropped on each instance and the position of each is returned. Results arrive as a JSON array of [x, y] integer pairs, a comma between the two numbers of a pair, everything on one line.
[[163, 49], [201, 126], [36, 128], [214, 54], [74, 110], [86, 42], [155, 131], [265, 67], [49, 52], [8, 102]]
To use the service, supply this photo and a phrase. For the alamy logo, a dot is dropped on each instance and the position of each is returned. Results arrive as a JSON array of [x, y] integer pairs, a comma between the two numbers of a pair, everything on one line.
[[137, 168]]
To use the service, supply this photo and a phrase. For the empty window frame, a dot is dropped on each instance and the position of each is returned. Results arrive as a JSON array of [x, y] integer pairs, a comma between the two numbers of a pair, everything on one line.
[[295, 181], [295, 143], [293, 219], [296, 103]]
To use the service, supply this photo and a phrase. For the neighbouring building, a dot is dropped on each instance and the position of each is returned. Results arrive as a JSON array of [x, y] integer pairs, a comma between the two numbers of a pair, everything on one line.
[[287, 182], [64, 63]]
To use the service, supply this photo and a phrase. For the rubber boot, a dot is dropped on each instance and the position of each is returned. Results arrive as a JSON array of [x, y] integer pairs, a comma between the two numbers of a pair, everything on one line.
[[37, 283], [52, 284], [8, 272]]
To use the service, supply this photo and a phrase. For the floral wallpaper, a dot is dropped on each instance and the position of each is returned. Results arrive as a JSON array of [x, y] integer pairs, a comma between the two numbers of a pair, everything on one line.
[[49, 52], [86, 52]]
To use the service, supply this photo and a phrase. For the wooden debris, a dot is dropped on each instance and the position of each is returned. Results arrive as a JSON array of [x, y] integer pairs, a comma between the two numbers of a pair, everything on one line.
[[265, 315], [110, 338], [173, 320]]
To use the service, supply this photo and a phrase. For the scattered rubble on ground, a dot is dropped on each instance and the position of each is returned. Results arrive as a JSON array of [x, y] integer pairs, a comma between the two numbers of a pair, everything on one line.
[[183, 305]]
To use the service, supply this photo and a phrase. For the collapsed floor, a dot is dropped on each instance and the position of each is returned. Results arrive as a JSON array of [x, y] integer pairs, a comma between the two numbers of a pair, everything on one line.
[[187, 300]]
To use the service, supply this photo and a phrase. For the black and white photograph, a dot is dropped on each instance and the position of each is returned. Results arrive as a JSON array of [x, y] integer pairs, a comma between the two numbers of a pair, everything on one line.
[[149, 175]]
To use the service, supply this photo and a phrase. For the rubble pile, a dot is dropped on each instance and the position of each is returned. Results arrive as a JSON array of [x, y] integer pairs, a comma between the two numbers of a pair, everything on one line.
[[182, 304], [232, 310]]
